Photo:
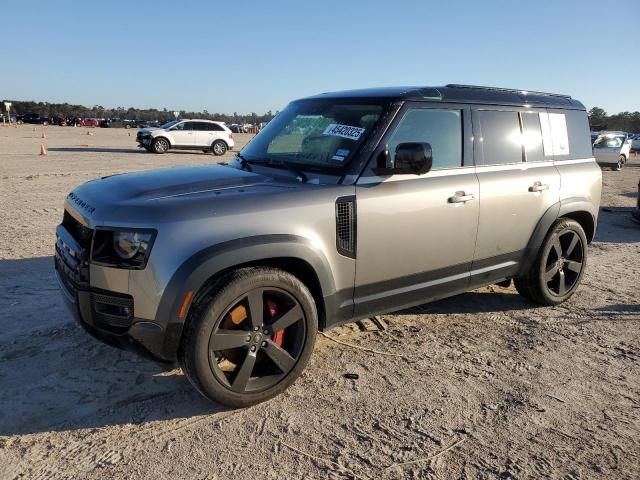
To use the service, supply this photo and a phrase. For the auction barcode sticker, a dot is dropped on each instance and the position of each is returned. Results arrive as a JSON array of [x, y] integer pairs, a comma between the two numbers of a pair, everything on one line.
[[344, 131]]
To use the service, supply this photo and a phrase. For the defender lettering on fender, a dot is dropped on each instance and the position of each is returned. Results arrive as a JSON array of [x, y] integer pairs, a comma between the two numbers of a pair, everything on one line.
[[232, 269]]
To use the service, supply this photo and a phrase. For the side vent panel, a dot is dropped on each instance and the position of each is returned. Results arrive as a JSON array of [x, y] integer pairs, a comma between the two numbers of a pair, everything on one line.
[[346, 226]]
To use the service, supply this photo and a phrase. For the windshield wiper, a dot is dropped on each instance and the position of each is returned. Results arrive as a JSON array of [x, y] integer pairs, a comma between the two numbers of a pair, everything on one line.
[[283, 165]]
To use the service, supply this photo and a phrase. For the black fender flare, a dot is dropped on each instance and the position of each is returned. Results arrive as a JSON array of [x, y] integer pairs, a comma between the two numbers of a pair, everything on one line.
[[562, 208], [206, 263]]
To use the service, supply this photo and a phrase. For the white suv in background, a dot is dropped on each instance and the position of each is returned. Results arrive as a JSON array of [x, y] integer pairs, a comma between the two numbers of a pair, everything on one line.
[[205, 135]]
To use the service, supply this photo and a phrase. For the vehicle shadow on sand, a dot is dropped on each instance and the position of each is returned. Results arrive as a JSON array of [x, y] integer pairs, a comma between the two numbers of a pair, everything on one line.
[[616, 225], [95, 149], [56, 377], [80, 149]]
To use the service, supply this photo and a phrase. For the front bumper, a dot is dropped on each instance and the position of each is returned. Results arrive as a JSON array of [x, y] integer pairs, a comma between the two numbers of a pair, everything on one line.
[[108, 316]]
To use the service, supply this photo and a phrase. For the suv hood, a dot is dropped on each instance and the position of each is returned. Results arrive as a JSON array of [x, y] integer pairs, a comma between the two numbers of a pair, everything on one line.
[[169, 191], [149, 129]]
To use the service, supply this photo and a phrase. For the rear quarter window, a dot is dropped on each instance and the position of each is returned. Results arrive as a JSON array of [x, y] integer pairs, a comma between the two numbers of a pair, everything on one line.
[[579, 136]]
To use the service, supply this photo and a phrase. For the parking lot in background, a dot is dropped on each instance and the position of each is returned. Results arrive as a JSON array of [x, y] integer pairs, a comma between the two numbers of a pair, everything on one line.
[[529, 391]]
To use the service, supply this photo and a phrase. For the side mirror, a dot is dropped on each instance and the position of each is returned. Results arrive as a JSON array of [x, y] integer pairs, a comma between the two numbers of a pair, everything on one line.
[[411, 158]]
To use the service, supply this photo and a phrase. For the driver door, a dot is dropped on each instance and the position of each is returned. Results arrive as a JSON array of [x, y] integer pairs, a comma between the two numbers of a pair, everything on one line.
[[417, 233], [184, 134]]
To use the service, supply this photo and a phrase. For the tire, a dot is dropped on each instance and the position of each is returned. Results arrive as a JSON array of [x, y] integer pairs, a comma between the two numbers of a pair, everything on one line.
[[127, 127], [620, 164], [559, 266], [160, 145], [259, 361], [218, 148]]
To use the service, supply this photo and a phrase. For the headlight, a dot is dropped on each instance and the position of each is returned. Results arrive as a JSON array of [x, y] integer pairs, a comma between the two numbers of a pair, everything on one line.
[[122, 248], [128, 244]]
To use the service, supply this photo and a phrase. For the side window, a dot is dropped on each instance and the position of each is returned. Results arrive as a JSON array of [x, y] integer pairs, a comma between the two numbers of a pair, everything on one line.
[[179, 126], [215, 127], [532, 137], [201, 126], [440, 128], [557, 133], [501, 137], [189, 126], [579, 137]]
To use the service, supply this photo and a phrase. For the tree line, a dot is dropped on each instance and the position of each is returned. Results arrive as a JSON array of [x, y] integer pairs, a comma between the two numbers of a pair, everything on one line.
[[624, 121], [598, 118], [66, 110]]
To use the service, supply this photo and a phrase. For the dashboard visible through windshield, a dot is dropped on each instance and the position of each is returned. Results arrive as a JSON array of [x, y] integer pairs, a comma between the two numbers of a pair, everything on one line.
[[319, 134]]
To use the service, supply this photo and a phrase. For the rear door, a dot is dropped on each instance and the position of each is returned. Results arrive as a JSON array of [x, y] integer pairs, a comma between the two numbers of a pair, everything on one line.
[[416, 233], [209, 133], [518, 184]]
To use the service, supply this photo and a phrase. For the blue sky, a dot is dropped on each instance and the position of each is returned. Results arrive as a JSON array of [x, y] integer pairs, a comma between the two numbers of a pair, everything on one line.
[[248, 56]]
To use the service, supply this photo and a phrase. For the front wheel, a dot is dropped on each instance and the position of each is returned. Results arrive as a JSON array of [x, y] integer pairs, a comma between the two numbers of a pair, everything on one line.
[[160, 145], [219, 148], [558, 269], [250, 337]]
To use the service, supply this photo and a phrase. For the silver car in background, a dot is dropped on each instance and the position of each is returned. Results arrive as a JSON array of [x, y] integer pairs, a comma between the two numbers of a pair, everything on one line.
[[611, 149]]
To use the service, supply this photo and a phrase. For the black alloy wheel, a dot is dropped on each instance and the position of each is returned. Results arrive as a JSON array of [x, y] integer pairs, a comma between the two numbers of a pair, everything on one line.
[[261, 350], [564, 262], [249, 336]]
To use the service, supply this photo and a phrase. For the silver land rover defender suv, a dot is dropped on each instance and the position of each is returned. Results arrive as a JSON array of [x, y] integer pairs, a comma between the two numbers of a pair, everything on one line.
[[344, 206]]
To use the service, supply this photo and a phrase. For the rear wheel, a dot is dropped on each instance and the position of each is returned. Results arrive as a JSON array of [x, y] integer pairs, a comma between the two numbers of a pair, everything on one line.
[[219, 148], [558, 269], [620, 164], [250, 337], [160, 145]]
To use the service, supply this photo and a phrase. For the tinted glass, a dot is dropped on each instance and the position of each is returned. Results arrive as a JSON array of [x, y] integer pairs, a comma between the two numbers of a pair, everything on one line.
[[215, 127], [440, 128], [609, 141], [579, 138], [501, 137], [532, 137], [319, 134], [189, 126]]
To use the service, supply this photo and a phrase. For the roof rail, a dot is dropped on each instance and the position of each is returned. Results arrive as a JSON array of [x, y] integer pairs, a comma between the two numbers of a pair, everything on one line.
[[511, 90]]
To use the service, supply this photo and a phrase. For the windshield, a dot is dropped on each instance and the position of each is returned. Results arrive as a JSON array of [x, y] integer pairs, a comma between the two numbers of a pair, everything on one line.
[[609, 141], [319, 134], [169, 124]]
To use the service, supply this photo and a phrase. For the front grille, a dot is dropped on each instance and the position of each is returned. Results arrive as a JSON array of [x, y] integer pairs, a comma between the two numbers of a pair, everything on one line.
[[78, 231], [346, 226]]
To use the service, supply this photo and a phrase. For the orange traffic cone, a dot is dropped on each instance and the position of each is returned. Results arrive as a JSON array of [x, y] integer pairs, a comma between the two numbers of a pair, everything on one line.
[[43, 151], [44, 135]]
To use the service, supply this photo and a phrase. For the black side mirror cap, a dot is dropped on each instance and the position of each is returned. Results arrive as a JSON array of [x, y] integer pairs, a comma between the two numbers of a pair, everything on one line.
[[411, 158]]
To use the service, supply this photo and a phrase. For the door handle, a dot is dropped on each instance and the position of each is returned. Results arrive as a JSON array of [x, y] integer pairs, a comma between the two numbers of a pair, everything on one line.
[[538, 187], [461, 197]]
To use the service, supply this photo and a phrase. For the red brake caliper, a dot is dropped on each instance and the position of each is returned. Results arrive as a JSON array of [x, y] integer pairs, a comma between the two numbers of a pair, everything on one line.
[[279, 335]]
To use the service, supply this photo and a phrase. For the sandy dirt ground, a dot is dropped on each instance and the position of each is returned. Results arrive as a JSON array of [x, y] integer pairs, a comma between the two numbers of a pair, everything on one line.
[[483, 385]]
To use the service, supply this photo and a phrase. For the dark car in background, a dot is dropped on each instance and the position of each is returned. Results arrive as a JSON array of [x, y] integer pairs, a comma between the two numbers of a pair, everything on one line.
[[113, 123], [35, 119], [148, 124]]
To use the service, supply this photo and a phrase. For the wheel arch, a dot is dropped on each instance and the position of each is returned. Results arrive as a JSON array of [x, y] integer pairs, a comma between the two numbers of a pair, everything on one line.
[[200, 272], [219, 140], [163, 137], [577, 208]]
